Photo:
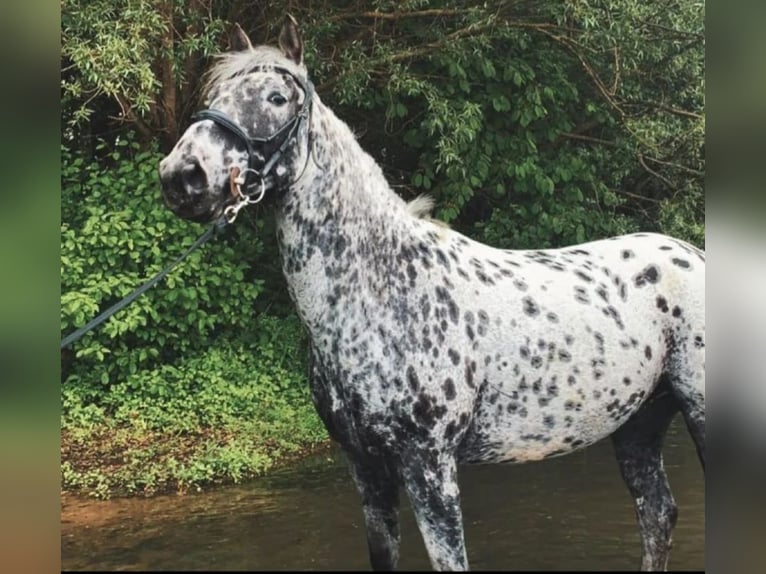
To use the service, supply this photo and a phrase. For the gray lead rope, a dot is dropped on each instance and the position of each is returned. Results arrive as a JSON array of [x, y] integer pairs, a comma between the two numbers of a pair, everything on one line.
[[72, 337]]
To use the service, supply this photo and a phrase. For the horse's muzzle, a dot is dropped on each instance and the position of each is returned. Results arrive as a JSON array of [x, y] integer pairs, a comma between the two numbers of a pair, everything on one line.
[[186, 191]]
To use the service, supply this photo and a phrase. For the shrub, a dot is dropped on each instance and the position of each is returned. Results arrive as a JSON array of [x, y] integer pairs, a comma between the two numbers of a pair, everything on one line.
[[116, 233], [230, 412]]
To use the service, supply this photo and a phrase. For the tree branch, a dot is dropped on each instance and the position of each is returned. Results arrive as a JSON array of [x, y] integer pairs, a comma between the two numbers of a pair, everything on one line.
[[422, 50], [468, 31], [663, 179], [667, 108], [169, 104], [676, 166], [575, 136], [681, 33], [434, 12], [130, 115], [616, 82], [636, 196], [588, 70]]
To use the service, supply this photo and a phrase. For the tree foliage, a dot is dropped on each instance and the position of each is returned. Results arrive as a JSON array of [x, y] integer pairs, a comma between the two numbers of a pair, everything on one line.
[[533, 123], [536, 123], [145, 56]]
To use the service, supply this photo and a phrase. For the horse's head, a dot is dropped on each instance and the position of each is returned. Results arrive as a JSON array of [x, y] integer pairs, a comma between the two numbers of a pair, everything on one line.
[[256, 124]]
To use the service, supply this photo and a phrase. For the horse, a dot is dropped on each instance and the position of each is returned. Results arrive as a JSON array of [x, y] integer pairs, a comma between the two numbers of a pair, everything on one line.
[[429, 349]]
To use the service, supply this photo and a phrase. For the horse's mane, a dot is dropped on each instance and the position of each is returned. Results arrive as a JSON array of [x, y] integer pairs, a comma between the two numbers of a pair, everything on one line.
[[231, 64]]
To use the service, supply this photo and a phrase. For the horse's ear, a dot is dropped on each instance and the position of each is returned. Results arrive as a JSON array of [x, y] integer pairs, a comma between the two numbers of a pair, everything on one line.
[[290, 40], [238, 40]]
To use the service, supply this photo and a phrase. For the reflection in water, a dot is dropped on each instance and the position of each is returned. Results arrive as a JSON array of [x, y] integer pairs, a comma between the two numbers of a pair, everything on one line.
[[572, 512]]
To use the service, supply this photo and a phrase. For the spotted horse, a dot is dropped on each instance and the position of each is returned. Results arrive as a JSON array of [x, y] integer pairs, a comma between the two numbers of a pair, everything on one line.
[[429, 349]]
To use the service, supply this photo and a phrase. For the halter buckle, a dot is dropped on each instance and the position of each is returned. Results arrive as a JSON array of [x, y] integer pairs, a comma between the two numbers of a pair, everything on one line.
[[237, 179]]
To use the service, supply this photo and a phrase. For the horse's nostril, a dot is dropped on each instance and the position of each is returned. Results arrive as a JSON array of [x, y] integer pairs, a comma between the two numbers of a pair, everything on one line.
[[193, 177]]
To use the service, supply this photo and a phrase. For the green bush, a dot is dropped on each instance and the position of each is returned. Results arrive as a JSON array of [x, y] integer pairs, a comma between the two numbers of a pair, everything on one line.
[[495, 145], [684, 216], [261, 377], [188, 385], [230, 412], [115, 234]]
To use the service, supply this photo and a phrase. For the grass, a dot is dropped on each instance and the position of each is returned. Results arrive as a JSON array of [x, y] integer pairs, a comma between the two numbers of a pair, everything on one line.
[[117, 460], [233, 412]]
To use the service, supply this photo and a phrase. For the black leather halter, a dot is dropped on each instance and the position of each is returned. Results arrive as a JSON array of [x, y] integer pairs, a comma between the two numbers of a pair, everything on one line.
[[288, 131]]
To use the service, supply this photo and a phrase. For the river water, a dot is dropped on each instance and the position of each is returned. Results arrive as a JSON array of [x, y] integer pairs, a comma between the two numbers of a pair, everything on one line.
[[572, 512]]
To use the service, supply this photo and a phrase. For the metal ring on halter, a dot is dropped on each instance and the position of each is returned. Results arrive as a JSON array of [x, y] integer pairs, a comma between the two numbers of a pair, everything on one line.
[[240, 179], [261, 193]]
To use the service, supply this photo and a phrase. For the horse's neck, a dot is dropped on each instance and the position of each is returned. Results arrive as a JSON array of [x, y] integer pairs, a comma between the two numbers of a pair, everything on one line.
[[344, 181], [337, 224]]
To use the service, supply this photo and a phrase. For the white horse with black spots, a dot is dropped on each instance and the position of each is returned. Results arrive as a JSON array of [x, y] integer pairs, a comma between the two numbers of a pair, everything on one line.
[[429, 349]]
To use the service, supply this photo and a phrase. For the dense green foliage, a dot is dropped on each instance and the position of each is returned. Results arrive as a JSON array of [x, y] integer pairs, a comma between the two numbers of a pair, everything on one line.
[[115, 233], [533, 124], [186, 385], [138, 54], [229, 412]]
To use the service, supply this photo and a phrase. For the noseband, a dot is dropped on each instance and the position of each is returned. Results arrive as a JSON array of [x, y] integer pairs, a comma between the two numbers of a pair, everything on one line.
[[287, 132]]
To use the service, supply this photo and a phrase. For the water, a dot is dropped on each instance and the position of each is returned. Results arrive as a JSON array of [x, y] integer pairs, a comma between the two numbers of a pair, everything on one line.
[[572, 512]]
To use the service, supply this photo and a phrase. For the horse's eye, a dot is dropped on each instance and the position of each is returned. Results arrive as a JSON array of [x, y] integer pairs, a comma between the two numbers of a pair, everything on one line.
[[277, 99]]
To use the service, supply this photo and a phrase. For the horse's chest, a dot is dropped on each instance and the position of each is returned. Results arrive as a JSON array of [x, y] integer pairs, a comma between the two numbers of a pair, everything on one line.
[[373, 406], [349, 404]]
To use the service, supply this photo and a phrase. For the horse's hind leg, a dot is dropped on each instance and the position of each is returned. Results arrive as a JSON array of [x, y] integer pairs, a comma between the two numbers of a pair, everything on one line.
[[378, 486], [431, 483], [638, 445]]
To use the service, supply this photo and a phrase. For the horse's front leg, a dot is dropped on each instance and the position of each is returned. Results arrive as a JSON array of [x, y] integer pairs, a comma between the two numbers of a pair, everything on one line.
[[431, 483], [378, 486]]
